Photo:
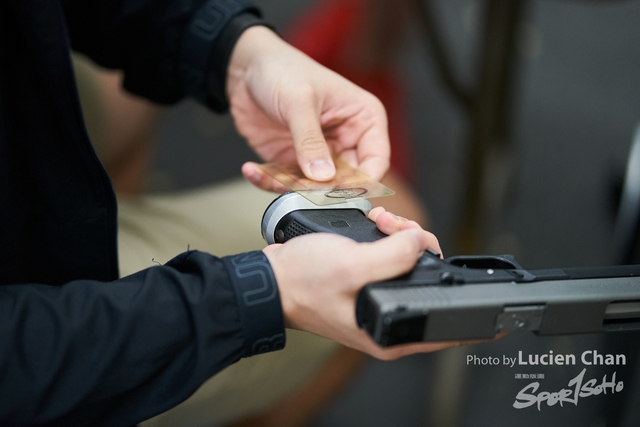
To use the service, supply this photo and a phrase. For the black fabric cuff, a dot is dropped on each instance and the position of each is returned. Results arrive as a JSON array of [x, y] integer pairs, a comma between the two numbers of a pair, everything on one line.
[[202, 47], [216, 94], [258, 302]]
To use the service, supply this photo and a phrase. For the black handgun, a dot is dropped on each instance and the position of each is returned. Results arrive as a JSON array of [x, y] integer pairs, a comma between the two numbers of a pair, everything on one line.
[[466, 297]]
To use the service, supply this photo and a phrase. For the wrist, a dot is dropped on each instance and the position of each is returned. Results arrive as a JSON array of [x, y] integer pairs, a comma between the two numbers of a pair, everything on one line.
[[270, 252], [253, 44], [222, 51]]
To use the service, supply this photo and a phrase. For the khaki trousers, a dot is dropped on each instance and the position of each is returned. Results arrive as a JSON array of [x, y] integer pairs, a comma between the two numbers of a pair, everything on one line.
[[221, 219]]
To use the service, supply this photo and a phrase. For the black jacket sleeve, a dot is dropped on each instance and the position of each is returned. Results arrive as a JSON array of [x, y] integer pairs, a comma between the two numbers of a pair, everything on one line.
[[167, 49], [113, 354]]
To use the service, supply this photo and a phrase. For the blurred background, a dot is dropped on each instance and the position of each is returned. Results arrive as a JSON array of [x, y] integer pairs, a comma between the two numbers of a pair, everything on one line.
[[517, 135]]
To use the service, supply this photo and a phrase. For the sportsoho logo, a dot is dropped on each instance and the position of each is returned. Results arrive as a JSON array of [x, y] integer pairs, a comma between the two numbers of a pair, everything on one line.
[[577, 388]]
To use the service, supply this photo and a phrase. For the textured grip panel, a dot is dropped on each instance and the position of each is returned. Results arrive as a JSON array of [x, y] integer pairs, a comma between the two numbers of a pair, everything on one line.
[[295, 229], [350, 223]]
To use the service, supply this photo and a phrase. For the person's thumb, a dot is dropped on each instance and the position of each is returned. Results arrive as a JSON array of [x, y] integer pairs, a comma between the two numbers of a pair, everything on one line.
[[312, 152], [392, 256]]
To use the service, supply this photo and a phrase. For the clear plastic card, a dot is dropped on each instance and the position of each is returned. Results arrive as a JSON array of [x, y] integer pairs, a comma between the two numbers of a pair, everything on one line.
[[349, 184]]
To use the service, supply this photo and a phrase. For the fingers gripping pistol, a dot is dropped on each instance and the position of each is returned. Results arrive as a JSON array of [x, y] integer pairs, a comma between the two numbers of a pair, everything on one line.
[[466, 297]]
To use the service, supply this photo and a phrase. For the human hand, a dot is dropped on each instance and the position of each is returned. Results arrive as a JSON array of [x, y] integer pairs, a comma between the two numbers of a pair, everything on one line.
[[319, 277], [289, 107]]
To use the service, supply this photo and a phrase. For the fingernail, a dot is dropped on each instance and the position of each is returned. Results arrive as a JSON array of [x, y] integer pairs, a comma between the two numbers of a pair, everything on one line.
[[322, 169]]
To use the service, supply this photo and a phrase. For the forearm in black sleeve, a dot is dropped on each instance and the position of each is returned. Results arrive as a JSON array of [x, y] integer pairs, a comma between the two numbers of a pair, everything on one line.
[[166, 48], [113, 354]]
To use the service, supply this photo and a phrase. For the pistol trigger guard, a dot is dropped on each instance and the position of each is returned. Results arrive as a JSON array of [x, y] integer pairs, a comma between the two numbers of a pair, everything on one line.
[[495, 262]]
